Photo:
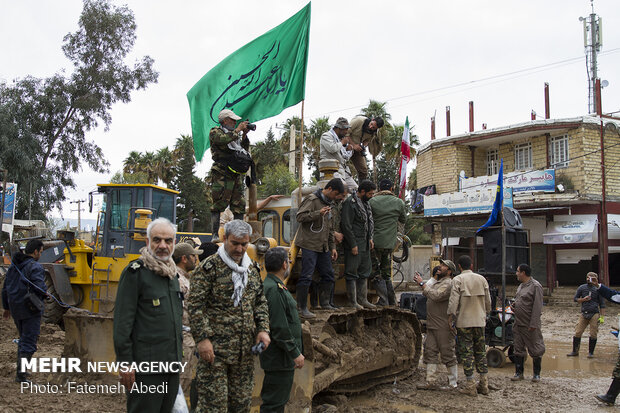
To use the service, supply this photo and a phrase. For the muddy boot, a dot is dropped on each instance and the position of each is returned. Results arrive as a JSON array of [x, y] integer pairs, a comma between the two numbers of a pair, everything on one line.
[[362, 293], [518, 368], [576, 343], [352, 295], [332, 287], [431, 369], [483, 385], [381, 289], [302, 301], [453, 375], [537, 362], [469, 388], [215, 226], [591, 347], [612, 393], [21, 376], [324, 296], [390, 292], [314, 296], [238, 216]]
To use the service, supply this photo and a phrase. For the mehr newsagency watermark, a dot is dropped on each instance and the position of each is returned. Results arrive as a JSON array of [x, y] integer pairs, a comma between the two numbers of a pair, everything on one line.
[[74, 365]]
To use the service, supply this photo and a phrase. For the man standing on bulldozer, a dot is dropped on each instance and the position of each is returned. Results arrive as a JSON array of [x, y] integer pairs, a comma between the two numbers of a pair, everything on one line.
[[357, 228], [362, 135], [148, 320], [231, 161], [387, 211]]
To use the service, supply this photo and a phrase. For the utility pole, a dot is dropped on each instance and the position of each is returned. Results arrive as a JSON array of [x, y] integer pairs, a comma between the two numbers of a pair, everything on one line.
[[592, 41], [291, 148], [79, 210]]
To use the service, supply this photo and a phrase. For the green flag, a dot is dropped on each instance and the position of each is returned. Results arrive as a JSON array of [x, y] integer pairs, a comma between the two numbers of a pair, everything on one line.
[[257, 81]]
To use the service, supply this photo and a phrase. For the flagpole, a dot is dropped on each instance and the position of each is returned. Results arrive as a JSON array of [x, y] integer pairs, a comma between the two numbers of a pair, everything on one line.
[[301, 154]]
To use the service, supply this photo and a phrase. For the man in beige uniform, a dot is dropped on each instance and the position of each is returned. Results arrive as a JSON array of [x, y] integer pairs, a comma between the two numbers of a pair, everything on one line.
[[527, 309], [186, 258], [363, 133], [470, 302], [439, 338]]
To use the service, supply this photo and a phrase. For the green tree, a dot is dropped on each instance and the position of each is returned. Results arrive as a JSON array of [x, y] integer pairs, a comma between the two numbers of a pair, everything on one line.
[[44, 122], [266, 153], [277, 181], [312, 143], [121, 177], [192, 204]]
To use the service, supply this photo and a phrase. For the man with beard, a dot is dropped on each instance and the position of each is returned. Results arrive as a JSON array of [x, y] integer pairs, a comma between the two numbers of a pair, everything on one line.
[[357, 227], [315, 237], [186, 258], [284, 355], [228, 316], [363, 133], [148, 320], [336, 145], [439, 338]]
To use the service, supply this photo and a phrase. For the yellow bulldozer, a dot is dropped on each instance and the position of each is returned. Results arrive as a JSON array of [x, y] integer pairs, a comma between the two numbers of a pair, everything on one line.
[[347, 351]]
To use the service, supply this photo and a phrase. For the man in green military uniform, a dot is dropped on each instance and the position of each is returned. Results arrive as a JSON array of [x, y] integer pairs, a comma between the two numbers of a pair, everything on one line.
[[228, 315], [285, 352], [356, 224], [147, 320], [387, 211], [231, 160]]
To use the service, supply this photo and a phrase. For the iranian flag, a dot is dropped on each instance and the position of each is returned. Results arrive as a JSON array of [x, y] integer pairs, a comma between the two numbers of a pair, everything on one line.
[[405, 155]]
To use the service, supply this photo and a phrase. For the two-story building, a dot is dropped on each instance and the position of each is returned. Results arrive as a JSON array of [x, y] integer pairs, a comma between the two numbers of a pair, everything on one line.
[[563, 218]]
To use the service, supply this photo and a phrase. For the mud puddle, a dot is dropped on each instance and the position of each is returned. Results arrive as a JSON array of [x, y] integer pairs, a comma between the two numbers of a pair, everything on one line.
[[373, 404]]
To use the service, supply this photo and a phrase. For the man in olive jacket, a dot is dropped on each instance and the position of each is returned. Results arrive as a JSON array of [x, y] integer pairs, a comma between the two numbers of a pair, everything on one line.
[[387, 211], [363, 133], [284, 355], [147, 320], [356, 224], [315, 237]]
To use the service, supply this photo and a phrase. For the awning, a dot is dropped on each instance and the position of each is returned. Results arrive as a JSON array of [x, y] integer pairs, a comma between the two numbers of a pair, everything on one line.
[[570, 232]]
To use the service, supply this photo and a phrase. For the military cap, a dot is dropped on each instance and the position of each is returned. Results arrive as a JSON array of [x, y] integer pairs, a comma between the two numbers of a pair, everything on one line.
[[183, 248], [227, 113], [449, 264], [342, 123]]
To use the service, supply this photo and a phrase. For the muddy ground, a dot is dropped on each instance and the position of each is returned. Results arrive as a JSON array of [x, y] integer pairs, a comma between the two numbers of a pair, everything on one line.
[[568, 384]]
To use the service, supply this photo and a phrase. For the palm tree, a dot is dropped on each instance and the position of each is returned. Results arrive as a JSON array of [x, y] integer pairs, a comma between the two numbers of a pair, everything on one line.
[[164, 163], [312, 143], [132, 163]]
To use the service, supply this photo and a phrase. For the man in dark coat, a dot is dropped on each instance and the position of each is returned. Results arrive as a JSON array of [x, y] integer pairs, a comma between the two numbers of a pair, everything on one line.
[[25, 276], [284, 355]]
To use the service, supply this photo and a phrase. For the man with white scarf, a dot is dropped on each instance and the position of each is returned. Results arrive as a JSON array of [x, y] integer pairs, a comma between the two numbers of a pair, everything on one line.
[[335, 144], [148, 319], [228, 315]]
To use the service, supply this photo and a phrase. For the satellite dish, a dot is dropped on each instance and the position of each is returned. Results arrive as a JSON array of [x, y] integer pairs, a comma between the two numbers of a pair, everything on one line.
[[604, 83]]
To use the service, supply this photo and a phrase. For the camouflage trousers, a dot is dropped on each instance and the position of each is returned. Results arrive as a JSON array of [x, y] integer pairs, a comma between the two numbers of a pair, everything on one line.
[[616, 373], [190, 358], [227, 189], [224, 388], [382, 263], [472, 349]]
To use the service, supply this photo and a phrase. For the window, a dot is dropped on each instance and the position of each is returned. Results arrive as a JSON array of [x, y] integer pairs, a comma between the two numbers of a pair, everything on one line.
[[559, 151], [492, 161], [269, 220], [286, 226], [163, 203], [523, 156], [120, 200]]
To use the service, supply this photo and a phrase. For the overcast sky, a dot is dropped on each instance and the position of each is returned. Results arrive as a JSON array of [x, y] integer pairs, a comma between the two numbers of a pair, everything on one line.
[[394, 51]]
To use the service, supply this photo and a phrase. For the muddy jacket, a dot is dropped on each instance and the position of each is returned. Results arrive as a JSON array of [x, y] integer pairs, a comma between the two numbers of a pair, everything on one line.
[[232, 330], [356, 223], [315, 232], [286, 344], [221, 141], [438, 295], [147, 316], [470, 300], [528, 304], [15, 287], [387, 211]]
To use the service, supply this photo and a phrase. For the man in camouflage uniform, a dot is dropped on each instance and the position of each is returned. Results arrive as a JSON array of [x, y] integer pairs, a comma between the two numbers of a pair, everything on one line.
[[226, 182], [228, 315], [387, 211], [469, 304], [147, 320], [357, 228]]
